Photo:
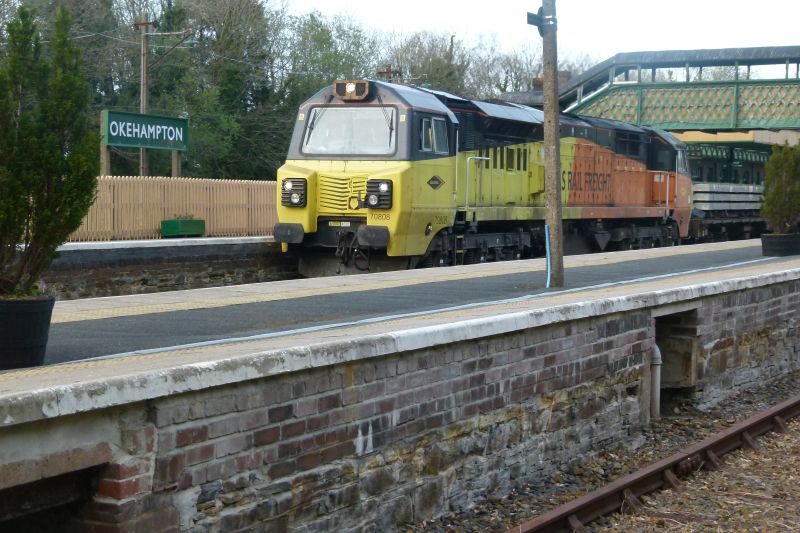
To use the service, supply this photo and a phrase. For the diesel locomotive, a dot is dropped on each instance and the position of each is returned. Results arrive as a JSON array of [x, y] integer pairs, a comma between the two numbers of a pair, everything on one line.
[[381, 176]]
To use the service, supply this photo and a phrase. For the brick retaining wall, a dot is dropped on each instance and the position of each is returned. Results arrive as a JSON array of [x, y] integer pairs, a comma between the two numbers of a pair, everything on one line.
[[385, 439], [88, 270]]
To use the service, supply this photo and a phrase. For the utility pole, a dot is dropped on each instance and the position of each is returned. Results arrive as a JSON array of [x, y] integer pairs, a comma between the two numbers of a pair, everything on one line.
[[545, 19], [144, 26]]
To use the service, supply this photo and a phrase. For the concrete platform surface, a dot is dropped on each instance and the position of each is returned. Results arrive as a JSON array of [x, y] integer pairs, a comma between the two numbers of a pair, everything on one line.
[[40, 393]]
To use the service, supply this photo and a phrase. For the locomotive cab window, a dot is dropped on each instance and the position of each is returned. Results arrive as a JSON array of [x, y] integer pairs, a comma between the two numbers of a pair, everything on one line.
[[434, 136], [350, 131], [682, 164]]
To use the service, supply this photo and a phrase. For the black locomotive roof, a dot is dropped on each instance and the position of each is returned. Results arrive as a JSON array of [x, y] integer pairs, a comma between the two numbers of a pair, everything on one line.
[[411, 96], [495, 109], [507, 111], [611, 124], [418, 98], [668, 138]]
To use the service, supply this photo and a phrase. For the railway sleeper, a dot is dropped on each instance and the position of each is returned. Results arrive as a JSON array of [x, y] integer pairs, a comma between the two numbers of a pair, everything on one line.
[[664, 473]]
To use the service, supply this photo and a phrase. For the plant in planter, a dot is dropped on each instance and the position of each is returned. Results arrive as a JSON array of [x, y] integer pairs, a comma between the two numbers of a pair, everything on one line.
[[781, 207], [183, 226], [48, 174]]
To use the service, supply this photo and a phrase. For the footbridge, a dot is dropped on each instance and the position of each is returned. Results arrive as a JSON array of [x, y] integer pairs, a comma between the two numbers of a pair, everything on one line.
[[730, 106], [708, 90]]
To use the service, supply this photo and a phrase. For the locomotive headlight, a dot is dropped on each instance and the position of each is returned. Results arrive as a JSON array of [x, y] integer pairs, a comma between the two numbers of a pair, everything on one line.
[[293, 192], [379, 194]]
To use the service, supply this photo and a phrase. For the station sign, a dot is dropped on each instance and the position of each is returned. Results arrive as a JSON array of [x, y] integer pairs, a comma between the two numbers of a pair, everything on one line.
[[134, 130]]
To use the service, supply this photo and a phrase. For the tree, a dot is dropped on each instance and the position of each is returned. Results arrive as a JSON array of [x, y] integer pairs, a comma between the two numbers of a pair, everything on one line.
[[48, 150], [7, 9], [781, 207], [436, 60]]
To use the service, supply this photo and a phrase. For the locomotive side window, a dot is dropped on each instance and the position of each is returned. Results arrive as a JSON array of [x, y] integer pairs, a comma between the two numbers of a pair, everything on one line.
[[440, 145], [681, 162], [664, 158], [434, 136], [629, 144], [426, 135]]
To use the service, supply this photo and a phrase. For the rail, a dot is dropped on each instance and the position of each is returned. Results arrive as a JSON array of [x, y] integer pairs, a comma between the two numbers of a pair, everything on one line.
[[573, 515]]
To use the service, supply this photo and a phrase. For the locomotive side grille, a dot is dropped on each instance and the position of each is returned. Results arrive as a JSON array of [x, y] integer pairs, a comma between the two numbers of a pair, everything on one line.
[[335, 192]]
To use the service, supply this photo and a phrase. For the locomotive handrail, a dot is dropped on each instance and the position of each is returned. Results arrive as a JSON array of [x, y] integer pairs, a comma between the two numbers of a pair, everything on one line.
[[466, 189]]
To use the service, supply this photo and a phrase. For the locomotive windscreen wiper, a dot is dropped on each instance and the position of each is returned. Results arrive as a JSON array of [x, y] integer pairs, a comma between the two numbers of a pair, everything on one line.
[[316, 114], [389, 121]]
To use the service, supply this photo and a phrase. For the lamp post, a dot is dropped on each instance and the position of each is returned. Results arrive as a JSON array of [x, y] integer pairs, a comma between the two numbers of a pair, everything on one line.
[[545, 20]]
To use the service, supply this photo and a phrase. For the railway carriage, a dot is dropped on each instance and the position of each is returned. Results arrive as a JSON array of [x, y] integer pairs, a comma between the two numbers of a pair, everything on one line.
[[382, 176]]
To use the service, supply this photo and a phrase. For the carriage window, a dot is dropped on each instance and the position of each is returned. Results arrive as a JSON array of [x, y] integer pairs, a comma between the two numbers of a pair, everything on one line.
[[494, 157], [510, 159], [524, 159]]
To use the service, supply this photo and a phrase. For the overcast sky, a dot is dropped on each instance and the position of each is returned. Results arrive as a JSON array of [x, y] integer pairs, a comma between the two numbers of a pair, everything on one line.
[[598, 28]]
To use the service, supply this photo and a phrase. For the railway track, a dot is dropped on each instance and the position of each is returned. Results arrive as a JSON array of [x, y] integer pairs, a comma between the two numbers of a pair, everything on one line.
[[627, 491]]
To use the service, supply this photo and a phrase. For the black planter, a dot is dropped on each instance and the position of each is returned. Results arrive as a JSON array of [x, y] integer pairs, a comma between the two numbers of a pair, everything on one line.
[[780, 244], [24, 327]]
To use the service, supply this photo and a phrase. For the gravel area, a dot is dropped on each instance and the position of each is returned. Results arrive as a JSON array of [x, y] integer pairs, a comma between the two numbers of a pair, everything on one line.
[[681, 425], [756, 491]]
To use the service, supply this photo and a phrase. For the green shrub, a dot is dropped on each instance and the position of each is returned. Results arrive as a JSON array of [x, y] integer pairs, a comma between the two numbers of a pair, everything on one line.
[[48, 149], [781, 207]]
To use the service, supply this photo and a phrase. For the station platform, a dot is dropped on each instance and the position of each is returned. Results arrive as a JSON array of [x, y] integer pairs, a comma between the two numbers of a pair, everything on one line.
[[387, 311]]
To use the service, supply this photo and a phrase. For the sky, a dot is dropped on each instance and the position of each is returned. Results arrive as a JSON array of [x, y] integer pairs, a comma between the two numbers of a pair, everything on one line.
[[597, 28]]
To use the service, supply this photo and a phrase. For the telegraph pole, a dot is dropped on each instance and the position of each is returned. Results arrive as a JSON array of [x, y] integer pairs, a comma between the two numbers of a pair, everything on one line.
[[144, 26], [545, 19]]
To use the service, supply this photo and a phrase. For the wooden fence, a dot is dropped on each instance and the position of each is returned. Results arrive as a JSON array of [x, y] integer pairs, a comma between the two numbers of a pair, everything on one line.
[[133, 207]]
